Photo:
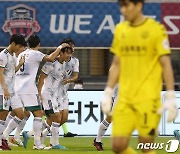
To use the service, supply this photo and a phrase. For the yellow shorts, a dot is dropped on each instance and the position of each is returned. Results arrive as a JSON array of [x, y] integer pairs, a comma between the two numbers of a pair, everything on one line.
[[141, 116]]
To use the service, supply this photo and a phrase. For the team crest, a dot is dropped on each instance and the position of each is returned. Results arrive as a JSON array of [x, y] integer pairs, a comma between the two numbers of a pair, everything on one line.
[[21, 19]]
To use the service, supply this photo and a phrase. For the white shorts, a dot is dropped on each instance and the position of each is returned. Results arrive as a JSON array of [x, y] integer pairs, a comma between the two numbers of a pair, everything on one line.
[[31, 102], [14, 102], [51, 105], [64, 103]]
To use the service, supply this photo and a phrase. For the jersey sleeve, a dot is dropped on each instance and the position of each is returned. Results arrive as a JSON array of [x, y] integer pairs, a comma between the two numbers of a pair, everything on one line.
[[3, 60], [38, 56], [161, 42], [115, 47], [76, 66], [47, 68]]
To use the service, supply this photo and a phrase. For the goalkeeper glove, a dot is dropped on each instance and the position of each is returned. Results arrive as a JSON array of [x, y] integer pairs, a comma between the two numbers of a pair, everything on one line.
[[106, 103], [170, 106]]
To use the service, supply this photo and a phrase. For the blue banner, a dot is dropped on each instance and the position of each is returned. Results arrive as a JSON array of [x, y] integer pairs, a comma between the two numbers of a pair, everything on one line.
[[89, 24]]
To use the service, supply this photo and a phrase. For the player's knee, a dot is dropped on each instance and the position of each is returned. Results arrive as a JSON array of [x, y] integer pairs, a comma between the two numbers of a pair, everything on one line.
[[27, 114], [117, 148], [20, 115], [3, 115], [38, 113]]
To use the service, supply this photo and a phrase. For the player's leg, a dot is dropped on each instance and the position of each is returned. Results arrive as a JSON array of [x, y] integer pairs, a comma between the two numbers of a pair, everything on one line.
[[47, 106], [56, 118], [3, 115], [102, 129], [64, 107], [32, 104], [16, 138], [54, 140], [122, 127], [147, 122], [17, 108]]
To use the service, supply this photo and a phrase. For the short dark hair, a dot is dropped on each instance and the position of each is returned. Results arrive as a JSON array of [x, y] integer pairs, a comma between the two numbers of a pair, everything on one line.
[[68, 41], [18, 39], [33, 41], [121, 2], [65, 49]]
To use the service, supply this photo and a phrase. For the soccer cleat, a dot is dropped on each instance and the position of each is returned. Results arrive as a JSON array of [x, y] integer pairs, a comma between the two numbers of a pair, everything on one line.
[[26, 138], [5, 145], [58, 147], [11, 144], [69, 134], [41, 147], [16, 142], [98, 145], [176, 134]]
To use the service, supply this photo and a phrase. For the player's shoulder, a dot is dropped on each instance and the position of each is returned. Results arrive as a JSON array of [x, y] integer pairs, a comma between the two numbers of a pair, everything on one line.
[[50, 64], [4, 52], [120, 26], [154, 23], [73, 60]]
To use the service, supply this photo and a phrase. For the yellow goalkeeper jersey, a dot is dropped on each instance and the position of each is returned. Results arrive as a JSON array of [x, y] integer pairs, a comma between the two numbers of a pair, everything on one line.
[[139, 48]]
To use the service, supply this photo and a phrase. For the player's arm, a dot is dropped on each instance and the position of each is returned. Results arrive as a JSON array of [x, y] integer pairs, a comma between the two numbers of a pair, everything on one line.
[[41, 83], [114, 72], [3, 84], [21, 62], [73, 78], [113, 77], [167, 72], [52, 56]]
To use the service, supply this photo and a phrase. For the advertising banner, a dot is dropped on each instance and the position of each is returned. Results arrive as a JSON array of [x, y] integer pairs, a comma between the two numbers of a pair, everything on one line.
[[85, 114], [89, 24]]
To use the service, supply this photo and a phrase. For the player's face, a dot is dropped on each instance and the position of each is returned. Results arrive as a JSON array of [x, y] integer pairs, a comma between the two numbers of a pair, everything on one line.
[[72, 46], [18, 48], [130, 10], [67, 55]]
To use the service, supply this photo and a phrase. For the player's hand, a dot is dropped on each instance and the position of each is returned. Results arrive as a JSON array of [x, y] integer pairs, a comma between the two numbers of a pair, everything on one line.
[[63, 45], [65, 81], [6, 94], [106, 103], [22, 60], [170, 106]]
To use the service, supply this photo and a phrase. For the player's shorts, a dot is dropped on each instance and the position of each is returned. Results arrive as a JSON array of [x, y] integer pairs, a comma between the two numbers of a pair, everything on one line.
[[51, 106], [64, 103], [31, 102], [141, 116], [14, 102]]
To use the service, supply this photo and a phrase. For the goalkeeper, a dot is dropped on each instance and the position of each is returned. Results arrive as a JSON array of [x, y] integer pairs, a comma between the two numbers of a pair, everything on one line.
[[141, 62]]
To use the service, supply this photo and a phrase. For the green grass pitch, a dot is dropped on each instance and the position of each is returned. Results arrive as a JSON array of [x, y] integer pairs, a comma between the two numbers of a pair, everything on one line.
[[82, 145]]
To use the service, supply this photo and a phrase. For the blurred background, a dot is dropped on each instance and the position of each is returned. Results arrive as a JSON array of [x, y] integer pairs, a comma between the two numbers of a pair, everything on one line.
[[90, 23]]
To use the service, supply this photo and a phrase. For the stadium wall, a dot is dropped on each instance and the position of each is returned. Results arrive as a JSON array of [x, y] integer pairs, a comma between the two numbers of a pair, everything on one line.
[[85, 114]]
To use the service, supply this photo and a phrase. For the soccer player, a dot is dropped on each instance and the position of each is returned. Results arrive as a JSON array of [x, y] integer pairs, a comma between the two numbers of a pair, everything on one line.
[[7, 92], [51, 88], [25, 84], [72, 73], [140, 63]]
